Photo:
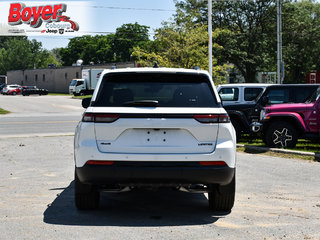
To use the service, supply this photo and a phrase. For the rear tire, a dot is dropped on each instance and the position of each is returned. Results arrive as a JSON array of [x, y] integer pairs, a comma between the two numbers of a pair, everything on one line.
[[281, 135], [87, 197], [221, 198]]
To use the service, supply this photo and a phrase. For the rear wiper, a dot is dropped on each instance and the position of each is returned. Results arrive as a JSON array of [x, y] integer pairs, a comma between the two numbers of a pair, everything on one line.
[[142, 103]]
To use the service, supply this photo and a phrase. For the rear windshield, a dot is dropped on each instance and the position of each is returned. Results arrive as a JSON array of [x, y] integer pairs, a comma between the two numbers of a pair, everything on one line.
[[169, 90]]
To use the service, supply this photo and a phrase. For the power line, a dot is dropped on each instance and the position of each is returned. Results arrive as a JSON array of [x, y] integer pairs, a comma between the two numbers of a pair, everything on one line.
[[136, 9]]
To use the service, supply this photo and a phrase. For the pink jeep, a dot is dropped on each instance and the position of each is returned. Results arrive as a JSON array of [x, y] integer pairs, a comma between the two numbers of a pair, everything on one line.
[[284, 124]]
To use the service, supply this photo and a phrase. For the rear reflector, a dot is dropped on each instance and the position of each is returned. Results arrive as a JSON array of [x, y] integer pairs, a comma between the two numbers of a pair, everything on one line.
[[93, 162], [100, 117], [212, 118], [213, 163]]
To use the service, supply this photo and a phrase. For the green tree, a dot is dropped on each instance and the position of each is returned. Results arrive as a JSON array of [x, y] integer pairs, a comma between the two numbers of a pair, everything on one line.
[[21, 53], [97, 49], [301, 34], [250, 42], [180, 47], [105, 48], [245, 39], [127, 37]]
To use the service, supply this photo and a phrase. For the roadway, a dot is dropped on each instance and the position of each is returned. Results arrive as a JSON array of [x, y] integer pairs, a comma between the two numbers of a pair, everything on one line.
[[39, 115]]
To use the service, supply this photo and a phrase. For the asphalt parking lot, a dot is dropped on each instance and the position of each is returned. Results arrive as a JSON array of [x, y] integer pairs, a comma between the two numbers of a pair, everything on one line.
[[276, 198], [39, 115]]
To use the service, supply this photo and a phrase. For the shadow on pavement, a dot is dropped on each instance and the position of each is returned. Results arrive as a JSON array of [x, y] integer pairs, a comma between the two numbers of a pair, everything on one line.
[[164, 207], [255, 149]]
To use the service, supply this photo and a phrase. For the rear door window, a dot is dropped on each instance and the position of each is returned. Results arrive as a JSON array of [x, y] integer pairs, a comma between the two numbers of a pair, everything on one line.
[[229, 94], [250, 94], [279, 96], [169, 90]]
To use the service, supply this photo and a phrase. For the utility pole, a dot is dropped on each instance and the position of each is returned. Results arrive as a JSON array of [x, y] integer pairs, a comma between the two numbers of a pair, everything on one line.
[[280, 64], [210, 35]]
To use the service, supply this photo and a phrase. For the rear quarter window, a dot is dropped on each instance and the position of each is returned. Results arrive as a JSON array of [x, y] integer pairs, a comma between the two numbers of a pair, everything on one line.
[[277, 96], [229, 94], [169, 89]]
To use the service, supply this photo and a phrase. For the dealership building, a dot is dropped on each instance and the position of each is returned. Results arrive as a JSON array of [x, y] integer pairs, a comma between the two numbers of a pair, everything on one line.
[[56, 80]]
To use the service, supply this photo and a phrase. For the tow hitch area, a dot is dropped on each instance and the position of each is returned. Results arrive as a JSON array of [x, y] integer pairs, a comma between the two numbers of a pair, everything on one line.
[[256, 127]]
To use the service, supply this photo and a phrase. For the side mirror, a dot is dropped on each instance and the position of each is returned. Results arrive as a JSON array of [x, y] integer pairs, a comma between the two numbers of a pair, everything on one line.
[[86, 102], [264, 101]]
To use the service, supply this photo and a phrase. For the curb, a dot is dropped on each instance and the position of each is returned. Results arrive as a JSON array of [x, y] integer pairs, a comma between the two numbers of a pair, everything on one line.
[[279, 150]]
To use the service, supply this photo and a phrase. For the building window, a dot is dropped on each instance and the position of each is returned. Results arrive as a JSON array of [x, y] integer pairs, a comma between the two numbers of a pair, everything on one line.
[[43, 77]]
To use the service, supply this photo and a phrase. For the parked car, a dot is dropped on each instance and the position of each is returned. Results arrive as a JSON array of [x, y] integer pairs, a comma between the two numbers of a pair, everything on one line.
[[155, 127], [11, 90], [244, 93], [28, 90], [245, 116], [284, 124], [2, 86]]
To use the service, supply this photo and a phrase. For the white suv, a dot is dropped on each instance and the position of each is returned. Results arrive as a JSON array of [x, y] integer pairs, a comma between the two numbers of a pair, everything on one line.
[[155, 127]]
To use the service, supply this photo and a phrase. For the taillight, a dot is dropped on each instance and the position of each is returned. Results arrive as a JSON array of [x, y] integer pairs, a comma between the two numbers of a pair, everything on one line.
[[224, 118], [212, 118], [213, 163], [100, 117], [105, 163]]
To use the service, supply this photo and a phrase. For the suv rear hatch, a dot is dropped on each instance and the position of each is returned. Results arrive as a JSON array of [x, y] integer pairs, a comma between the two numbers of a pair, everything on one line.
[[156, 113]]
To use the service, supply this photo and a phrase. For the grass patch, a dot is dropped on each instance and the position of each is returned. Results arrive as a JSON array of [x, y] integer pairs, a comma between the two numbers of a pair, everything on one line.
[[82, 97], [276, 154], [70, 95], [59, 94], [302, 145], [2, 111]]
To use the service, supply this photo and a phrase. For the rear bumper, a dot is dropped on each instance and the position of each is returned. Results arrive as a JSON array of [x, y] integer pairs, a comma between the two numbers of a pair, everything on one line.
[[155, 173]]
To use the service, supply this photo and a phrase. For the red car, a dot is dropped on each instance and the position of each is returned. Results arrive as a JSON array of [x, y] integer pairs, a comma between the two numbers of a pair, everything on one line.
[[11, 90]]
